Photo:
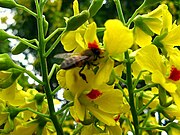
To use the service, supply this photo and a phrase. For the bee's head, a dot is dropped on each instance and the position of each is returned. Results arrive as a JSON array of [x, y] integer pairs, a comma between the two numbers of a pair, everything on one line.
[[94, 47]]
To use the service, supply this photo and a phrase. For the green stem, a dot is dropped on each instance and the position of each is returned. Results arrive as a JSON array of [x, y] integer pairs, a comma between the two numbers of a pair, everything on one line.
[[134, 15], [55, 66], [119, 11], [64, 116], [29, 73], [101, 29], [120, 79], [124, 94], [64, 108], [131, 93], [54, 33], [27, 10], [144, 107], [145, 121], [55, 90], [129, 75], [53, 45], [25, 42], [44, 69], [145, 87], [77, 129], [38, 113], [137, 79], [128, 121]]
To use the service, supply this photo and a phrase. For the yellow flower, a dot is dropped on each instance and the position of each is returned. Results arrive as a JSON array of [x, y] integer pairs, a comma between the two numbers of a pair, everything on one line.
[[155, 22], [26, 129], [100, 100], [79, 39], [174, 131], [101, 130], [171, 39], [14, 95], [117, 38], [165, 73], [173, 110]]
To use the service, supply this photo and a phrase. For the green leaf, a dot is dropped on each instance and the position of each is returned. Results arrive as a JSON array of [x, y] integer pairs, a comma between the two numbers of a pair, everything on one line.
[[8, 3], [6, 62], [76, 21], [12, 75], [19, 48], [4, 35], [95, 6]]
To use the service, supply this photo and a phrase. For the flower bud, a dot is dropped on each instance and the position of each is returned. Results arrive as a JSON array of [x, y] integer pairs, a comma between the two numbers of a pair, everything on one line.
[[8, 3], [6, 62], [95, 6], [3, 34], [19, 48], [76, 21], [8, 77], [139, 22], [39, 97]]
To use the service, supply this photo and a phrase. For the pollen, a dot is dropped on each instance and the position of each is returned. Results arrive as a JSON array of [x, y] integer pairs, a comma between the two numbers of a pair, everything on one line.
[[93, 45], [94, 94], [175, 74]]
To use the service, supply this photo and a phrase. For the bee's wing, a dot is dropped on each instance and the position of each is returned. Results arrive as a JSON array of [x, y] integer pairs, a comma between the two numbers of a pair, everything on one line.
[[64, 55], [72, 62]]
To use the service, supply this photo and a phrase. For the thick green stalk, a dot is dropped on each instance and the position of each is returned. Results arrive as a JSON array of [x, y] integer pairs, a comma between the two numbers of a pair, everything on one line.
[[129, 75], [44, 69], [131, 93]]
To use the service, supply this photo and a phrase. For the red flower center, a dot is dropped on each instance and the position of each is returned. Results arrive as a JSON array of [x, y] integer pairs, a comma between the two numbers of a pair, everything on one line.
[[175, 74], [93, 45], [117, 118], [94, 94]]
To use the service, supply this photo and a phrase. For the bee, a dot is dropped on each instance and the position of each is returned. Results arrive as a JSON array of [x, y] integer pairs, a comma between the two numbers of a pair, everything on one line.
[[87, 57]]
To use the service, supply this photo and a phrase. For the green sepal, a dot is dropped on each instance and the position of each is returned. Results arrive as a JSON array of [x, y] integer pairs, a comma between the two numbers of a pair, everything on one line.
[[39, 97], [42, 122], [163, 97], [19, 48], [157, 39], [161, 109], [6, 62], [4, 35], [8, 3], [95, 6], [13, 74], [139, 22], [112, 78], [13, 111], [148, 3], [76, 21]]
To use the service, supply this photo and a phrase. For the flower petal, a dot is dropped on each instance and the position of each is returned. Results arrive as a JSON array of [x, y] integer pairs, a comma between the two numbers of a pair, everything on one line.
[[158, 77], [111, 101], [117, 37], [146, 61], [102, 116], [141, 38]]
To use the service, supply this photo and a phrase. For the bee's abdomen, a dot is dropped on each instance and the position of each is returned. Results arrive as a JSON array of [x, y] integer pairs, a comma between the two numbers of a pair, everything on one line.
[[72, 62]]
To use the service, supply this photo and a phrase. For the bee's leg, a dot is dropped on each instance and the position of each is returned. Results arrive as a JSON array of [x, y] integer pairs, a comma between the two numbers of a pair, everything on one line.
[[83, 76], [94, 64]]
